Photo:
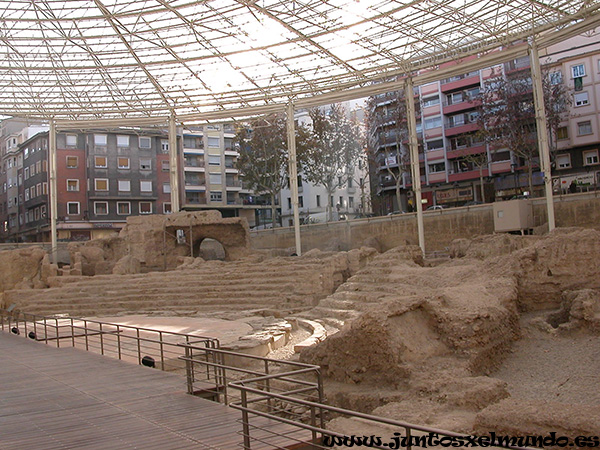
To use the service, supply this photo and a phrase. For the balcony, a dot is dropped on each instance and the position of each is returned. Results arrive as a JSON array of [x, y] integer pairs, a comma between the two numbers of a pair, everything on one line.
[[501, 167], [467, 175], [461, 128], [233, 185], [460, 81], [195, 201], [230, 151], [461, 106], [464, 151], [437, 177]]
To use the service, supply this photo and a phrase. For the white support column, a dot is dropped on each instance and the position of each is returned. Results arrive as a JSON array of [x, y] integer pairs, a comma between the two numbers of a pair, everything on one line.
[[542, 130], [53, 190], [413, 145], [293, 173], [173, 164]]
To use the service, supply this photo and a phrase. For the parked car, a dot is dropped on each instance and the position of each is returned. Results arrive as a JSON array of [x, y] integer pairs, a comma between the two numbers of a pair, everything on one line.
[[434, 207], [473, 203]]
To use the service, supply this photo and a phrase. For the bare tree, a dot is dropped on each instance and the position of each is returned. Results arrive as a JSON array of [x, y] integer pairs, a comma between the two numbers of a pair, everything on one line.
[[334, 146], [507, 115], [263, 159]]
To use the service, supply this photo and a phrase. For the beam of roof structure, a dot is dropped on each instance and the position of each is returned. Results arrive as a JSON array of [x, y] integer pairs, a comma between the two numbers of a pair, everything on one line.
[[138, 61]]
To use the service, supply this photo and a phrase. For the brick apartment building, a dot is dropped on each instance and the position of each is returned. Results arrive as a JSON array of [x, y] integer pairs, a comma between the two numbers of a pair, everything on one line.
[[105, 176], [447, 131]]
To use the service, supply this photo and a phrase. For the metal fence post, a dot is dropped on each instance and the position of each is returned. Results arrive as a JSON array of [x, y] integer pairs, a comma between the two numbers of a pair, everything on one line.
[[245, 421]]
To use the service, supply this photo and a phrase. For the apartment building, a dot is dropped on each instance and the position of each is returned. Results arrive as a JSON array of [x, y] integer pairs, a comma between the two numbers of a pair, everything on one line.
[[447, 131], [210, 176]]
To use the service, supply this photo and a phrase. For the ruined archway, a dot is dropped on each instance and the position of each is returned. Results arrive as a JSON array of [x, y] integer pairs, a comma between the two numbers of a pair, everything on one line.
[[209, 249]]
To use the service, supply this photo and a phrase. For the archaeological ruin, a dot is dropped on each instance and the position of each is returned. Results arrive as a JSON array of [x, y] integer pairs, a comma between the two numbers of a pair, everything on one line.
[[499, 335]]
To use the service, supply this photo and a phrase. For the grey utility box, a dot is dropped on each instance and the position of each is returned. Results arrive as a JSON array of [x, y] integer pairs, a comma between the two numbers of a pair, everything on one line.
[[513, 215]]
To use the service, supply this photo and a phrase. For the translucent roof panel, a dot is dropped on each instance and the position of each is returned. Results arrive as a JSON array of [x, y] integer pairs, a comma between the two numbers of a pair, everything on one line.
[[83, 59]]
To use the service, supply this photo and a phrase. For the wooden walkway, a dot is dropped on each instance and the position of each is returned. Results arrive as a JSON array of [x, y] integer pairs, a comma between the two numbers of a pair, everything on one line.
[[66, 398]]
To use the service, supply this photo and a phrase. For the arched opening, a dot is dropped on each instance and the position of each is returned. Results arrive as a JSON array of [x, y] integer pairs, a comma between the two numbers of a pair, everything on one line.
[[209, 250]]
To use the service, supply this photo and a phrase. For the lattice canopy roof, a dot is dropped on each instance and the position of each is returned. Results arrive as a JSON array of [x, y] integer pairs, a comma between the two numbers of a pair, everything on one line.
[[84, 59]]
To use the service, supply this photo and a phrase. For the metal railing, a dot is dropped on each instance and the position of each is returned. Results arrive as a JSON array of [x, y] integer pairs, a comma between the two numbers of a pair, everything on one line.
[[144, 346], [289, 394], [256, 401], [210, 371]]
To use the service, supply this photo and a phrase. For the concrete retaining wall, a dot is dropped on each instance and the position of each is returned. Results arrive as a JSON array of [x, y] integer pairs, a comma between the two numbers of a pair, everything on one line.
[[441, 226]]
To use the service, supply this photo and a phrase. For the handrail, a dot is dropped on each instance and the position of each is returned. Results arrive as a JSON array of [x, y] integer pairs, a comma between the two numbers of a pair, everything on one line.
[[146, 346]]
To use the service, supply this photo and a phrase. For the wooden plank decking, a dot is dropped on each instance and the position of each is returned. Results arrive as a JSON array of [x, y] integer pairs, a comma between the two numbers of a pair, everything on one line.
[[71, 399]]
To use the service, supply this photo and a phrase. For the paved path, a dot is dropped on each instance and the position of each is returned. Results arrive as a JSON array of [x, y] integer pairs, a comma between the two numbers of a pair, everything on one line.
[[67, 398]]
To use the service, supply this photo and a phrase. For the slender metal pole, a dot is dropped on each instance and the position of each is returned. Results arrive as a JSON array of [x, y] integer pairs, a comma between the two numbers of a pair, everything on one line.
[[413, 145], [173, 164], [542, 130], [53, 191], [293, 173]]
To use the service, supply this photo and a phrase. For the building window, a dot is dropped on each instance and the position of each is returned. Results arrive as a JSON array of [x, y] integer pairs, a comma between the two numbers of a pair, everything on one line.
[[563, 161], [73, 185], [300, 201], [101, 208], [578, 70], [165, 165], [71, 162], [26, 194], [167, 208], [434, 145], [216, 196], [214, 142], [166, 188], [555, 78], [38, 189], [164, 146], [145, 186], [437, 167], [101, 184], [145, 208], [590, 157], [38, 167], [289, 203], [122, 141], [431, 101], [45, 188], [123, 208], [71, 140], [26, 173], [123, 163], [145, 164], [100, 162], [433, 122], [562, 133], [350, 202], [215, 178], [214, 160], [124, 186], [581, 99], [318, 201], [100, 139], [145, 142], [73, 208], [584, 128], [43, 211]]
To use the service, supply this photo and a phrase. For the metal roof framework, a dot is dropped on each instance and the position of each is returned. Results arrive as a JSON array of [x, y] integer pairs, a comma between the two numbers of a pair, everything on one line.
[[117, 62]]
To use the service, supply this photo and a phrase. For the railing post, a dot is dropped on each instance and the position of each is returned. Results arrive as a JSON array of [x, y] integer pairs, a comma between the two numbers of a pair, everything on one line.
[[85, 330], [189, 370], [35, 328], [162, 353], [25, 323], [313, 422], [119, 340], [408, 438], [45, 330], [268, 386], [72, 333], [139, 346], [101, 340], [245, 421], [57, 337]]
